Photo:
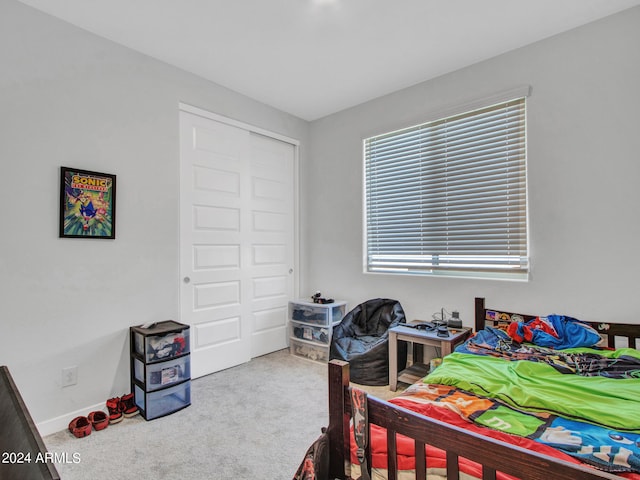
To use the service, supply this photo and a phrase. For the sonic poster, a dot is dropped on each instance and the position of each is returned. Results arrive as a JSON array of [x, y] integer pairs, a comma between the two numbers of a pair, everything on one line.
[[87, 204]]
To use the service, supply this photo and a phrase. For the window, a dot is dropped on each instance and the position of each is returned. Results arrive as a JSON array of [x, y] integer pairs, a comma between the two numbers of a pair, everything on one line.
[[449, 197]]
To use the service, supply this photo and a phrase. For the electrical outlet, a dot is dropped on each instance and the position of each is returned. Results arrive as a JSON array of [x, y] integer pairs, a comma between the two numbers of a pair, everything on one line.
[[69, 376]]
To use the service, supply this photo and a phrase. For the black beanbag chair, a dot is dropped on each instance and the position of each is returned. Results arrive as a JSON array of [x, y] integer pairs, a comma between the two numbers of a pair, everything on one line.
[[362, 339]]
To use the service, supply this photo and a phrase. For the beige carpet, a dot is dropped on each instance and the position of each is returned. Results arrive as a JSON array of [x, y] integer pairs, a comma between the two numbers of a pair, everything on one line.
[[254, 421]]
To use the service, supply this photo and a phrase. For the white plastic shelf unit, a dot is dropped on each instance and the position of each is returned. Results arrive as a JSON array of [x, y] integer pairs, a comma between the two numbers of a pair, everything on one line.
[[310, 328], [160, 368]]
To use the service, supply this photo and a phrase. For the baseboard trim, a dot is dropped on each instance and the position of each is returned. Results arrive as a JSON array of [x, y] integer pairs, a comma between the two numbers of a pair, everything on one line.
[[60, 423]]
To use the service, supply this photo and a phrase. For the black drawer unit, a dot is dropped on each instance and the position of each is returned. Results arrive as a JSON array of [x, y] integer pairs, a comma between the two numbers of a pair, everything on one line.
[[160, 368]]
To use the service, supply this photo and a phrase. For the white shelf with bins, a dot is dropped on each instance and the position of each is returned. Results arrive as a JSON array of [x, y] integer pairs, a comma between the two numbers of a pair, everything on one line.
[[310, 328]]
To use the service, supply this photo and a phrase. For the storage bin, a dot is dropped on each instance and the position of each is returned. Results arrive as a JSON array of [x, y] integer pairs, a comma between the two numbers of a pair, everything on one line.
[[153, 376], [160, 368], [311, 332], [316, 314], [309, 350], [311, 326], [163, 402], [163, 341]]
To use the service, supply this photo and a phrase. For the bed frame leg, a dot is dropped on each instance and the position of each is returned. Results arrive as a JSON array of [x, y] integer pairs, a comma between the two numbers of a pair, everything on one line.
[[338, 430]]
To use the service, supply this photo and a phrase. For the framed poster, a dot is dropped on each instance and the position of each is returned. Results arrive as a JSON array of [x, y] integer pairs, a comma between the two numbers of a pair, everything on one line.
[[87, 204]]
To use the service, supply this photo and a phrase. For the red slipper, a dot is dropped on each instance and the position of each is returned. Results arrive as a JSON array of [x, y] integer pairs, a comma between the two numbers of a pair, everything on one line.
[[80, 427], [99, 420]]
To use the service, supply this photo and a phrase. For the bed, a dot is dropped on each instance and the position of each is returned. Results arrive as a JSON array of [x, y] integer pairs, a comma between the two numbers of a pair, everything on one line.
[[416, 435], [23, 452]]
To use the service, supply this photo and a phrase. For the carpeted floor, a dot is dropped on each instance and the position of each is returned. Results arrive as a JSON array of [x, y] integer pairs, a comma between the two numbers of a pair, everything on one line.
[[254, 421]]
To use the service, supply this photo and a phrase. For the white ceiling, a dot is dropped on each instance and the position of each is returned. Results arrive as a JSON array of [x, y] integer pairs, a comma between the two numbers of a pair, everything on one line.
[[312, 58]]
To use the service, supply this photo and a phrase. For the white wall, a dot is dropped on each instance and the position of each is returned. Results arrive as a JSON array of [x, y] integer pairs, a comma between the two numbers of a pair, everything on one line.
[[583, 167], [71, 98]]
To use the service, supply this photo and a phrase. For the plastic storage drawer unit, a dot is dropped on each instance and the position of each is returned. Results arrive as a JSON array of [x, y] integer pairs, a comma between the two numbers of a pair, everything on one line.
[[160, 368], [311, 333], [316, 313], [310, 328], [161, 342], [309, 350], [153, 376], [163, 402]]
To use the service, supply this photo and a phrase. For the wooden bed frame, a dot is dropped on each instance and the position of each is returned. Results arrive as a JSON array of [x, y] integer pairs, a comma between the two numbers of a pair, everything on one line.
[[456, 442], [21, 446]]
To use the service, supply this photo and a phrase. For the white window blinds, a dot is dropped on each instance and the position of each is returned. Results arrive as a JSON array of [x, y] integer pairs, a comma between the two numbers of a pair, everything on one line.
[[449, 196]]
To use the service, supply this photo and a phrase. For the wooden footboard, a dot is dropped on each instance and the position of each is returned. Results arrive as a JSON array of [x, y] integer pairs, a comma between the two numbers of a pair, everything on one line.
[[24, 454], [494, 455]]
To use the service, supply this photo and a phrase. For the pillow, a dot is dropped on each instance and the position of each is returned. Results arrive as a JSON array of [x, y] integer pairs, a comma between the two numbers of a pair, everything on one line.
[[555, 331]]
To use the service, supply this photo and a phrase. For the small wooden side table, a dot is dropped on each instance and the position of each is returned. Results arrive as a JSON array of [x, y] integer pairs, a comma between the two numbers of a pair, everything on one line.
[[420, 337]]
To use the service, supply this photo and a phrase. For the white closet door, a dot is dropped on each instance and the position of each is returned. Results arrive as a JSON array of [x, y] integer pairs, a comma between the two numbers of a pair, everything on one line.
[[237, 203], [270, 259]]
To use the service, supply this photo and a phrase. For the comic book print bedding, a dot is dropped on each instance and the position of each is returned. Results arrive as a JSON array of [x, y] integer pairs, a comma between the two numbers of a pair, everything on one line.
[[503, 385]]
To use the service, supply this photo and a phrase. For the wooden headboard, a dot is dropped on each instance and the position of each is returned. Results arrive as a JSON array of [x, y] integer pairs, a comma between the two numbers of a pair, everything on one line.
[[500, 318]]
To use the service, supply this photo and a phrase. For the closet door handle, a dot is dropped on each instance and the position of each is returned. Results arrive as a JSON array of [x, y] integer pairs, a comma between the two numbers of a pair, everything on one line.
[[186, 279]]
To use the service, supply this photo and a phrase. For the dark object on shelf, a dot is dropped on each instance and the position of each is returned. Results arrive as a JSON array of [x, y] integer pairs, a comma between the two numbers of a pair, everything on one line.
[[426, 326], [443, 331], [317, 298], [454, 321], [362, 339]]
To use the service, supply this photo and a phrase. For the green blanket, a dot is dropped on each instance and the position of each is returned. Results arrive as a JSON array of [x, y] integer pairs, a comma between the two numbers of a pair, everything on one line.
[[538, 387]]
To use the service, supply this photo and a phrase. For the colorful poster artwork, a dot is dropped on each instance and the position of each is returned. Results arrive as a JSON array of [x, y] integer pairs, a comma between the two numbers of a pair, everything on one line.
[[87, 204]]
